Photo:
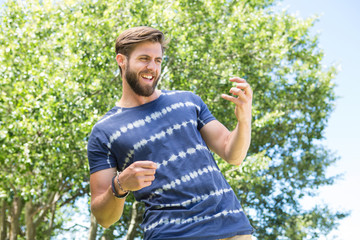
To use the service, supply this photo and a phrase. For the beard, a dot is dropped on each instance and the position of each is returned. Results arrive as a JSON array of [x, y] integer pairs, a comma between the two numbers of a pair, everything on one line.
[[132, 78]]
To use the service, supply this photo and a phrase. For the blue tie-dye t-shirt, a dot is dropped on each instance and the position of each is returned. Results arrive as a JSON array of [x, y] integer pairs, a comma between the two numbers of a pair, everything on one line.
[[189, 198]]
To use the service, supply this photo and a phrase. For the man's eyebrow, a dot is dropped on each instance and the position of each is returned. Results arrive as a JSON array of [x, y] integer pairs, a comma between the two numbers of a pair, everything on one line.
[[145, 55]]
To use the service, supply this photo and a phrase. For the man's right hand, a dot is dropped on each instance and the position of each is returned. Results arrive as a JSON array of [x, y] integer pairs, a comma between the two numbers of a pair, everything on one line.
[[108, 209], [138, 175]]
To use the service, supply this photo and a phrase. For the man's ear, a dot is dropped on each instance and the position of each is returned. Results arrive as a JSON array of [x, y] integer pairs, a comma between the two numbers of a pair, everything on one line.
[[121, 59]]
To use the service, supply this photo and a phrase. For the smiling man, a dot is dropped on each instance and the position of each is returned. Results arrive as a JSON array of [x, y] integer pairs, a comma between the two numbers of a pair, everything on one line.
[[156, 143]]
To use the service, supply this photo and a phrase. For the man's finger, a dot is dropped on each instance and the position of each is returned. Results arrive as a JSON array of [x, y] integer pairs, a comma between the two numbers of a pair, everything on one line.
[[148, 178], [238, 80], [230, 98], [242, 85], [245, 86], [146, 164], [238, 92], [149, 172]]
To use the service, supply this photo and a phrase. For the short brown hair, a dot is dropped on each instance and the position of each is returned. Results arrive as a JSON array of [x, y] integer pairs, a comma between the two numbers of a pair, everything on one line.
[[127, 40]]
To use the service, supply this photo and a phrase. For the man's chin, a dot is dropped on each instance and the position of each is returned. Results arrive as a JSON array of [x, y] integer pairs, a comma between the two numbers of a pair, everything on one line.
[[145, 92]]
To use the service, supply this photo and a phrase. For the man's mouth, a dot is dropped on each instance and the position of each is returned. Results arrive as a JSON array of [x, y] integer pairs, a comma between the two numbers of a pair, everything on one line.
[[147, 76]]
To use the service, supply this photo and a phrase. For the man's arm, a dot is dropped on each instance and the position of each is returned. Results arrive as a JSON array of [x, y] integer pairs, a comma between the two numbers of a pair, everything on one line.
[[232, 146], [104, 205]]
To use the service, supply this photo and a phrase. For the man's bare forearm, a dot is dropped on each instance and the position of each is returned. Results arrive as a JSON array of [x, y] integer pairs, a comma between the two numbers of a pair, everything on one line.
[[107, 209], [238, 143]]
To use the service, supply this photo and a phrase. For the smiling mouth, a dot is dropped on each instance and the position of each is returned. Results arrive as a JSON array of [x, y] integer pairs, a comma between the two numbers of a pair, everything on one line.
[[147, 77]]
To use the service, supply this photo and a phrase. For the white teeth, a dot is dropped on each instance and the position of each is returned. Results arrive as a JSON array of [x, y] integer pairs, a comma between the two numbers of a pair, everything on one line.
[[147, 76]]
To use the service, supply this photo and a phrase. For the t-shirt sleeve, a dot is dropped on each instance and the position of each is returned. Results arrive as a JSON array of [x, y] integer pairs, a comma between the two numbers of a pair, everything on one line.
[[99, 155], [204, 115]]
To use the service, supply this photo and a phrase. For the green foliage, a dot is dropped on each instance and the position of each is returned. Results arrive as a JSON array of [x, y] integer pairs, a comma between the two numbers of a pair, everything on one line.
[[58, 77], [51, 79]]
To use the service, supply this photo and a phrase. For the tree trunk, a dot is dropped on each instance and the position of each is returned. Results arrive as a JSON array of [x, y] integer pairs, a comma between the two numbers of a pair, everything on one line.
[[130, 235], [16, 208], [93, 227], [52, 219], [29, 221], [108, 234], [3, 224]]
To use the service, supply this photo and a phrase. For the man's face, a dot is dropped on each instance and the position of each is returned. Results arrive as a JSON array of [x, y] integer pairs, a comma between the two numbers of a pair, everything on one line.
[[143, 68]]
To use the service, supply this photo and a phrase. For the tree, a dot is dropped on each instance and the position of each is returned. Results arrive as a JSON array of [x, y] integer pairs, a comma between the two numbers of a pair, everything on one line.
[[47, 100], [58, 70]]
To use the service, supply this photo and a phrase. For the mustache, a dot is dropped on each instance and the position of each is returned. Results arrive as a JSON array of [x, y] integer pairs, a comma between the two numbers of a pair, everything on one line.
[[148, 72]]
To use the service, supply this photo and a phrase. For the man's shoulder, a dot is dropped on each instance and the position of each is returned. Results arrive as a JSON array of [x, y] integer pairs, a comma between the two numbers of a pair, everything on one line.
[[108, 117]]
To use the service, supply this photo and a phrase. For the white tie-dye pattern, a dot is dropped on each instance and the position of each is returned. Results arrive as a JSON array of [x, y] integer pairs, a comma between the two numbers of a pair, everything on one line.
[[195, 219], [197, 199], [152, 117], [183, 179], [173, 92], [108, 159], [147, 118], [201, 121], [155, 137], [182, 154]]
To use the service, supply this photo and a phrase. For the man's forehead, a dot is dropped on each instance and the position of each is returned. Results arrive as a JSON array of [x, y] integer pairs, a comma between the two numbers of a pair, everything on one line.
[[148, 48]]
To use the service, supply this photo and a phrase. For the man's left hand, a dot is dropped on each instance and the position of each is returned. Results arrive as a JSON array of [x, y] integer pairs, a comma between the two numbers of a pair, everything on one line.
[[242, 97]]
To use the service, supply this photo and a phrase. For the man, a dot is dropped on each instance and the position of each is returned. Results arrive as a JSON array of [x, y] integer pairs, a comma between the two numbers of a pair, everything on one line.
[[156, 143]]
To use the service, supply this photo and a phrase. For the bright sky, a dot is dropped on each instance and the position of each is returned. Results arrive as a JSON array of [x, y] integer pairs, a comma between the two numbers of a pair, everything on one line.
[[340, 39]]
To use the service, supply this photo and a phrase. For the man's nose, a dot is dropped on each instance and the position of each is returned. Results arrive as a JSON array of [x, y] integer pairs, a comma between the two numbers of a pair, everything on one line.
[[151, 65]]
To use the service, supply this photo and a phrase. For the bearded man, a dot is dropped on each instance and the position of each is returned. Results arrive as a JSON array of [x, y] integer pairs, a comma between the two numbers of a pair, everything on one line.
[[157, 144]]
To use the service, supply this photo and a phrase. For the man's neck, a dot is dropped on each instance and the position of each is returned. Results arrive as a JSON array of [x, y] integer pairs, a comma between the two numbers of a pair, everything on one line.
[[130, 99]]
